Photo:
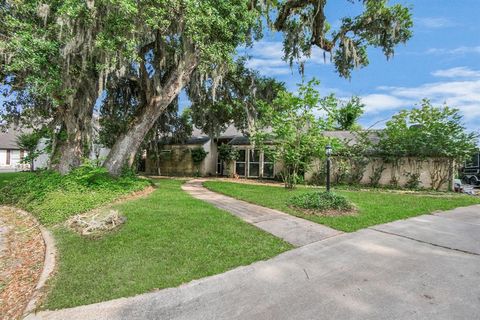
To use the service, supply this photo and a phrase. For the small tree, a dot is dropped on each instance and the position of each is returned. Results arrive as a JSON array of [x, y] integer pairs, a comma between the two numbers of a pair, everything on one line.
[[296, 131], [349, 113], [29, 143], [198, 155], [428, 131], [226, 153]]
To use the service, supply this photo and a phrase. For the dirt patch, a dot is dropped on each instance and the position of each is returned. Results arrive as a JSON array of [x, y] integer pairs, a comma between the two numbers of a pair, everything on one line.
[[21, 260], [326, 213]]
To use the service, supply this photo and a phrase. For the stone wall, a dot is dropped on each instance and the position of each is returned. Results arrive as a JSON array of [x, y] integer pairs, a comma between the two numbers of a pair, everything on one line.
[[430, 173]]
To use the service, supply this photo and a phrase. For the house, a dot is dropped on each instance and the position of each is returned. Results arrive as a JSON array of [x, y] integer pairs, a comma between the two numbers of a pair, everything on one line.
[[175, 158], [10, 153]]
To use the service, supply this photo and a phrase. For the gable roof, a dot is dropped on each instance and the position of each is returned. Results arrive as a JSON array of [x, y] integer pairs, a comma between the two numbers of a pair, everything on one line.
[[8, 138]]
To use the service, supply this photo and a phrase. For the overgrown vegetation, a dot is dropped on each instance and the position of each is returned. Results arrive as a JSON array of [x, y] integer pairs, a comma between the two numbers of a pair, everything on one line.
[[427, 138], [52, 198], [320, 201]]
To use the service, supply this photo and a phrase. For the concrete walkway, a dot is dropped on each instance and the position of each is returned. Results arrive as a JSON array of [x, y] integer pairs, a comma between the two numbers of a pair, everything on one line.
[[296, 231], [405, 271]]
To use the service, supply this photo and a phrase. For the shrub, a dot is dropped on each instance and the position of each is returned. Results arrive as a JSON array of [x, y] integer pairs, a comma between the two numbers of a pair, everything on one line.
[[320, 201], [53, 198]]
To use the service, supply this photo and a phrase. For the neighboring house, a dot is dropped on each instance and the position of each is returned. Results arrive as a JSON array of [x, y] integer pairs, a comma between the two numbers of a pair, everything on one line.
[[10, 154]]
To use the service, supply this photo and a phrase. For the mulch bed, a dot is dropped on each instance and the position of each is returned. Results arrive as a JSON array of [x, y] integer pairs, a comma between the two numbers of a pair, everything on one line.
[[326, 213], [21, 261]]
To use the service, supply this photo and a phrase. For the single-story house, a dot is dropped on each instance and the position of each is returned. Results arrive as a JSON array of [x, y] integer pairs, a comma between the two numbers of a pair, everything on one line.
[[10, 153], [176, 160]]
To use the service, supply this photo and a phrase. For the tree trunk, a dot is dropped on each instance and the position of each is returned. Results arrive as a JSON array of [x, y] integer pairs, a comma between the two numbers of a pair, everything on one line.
[[123, 151], [73, 142]]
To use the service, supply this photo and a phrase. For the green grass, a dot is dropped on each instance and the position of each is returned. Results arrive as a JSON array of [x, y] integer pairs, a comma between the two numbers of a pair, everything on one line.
[[169, 238], [374, 206], [6, 177]]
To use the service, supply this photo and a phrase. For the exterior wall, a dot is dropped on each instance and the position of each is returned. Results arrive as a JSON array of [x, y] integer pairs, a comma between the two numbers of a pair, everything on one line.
[[176, 160], [209, 164], [15, 159], [398, 174]]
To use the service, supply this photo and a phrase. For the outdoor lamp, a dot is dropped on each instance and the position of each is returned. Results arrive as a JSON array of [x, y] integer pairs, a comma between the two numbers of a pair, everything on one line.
[[328, 151]]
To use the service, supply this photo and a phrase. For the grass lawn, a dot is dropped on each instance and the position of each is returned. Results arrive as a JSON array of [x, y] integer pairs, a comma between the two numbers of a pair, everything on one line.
[[374, 206], [6, 177], [169, 238]]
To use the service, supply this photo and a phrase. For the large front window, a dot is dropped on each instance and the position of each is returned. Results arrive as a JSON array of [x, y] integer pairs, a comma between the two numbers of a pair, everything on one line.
[[240, 164], [254, 163], [267, 166]]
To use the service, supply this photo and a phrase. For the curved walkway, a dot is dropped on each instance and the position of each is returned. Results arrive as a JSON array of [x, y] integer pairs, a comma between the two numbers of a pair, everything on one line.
[[296, 231]]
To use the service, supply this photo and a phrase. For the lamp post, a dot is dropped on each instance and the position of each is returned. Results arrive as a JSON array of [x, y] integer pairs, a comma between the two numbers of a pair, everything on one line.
[[328, 152]]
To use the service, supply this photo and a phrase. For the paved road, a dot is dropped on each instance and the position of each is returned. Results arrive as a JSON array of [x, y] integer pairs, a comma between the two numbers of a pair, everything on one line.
[[422, 268]]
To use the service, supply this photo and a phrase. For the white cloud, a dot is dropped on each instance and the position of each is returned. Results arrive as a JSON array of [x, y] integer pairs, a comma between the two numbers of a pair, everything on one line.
[[434, 23], [267, 58], [461, 94], [458, 72], [378, 102], [455, 51]]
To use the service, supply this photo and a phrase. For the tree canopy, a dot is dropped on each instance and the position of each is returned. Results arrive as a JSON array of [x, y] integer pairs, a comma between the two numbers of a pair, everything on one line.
[[427, 131], [63, 54]]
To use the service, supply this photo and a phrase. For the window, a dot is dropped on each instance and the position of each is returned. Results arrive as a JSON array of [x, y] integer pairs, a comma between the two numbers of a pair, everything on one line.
[[8, 157], [473, 162], [268, 166], [240, 164], [253, 163]]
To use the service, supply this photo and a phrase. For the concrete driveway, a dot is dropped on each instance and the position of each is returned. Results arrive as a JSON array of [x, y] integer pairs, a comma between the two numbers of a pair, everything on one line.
[[421, 268]]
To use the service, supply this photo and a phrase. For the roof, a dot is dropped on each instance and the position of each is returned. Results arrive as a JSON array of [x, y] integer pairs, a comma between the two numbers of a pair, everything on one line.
[[8, 139], [351, 137], [239, 141], [192, 140], [235, 137]]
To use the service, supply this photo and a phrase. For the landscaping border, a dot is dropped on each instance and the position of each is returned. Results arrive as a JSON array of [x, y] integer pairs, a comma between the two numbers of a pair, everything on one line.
[[49, 264]]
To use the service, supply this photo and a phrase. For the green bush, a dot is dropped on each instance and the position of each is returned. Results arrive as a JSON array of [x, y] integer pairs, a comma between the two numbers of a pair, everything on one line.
[[320, 201], [53, 198]]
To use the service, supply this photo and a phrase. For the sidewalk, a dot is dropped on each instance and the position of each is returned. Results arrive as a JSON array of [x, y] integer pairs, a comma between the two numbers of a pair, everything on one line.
[[296, 231]]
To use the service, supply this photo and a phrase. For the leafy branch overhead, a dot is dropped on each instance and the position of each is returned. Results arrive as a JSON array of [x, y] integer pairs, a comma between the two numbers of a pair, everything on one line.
[[305, 25], [61, 56]]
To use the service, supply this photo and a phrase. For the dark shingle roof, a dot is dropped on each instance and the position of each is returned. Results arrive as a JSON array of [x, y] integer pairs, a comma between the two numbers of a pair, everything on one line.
[[192, 140], [240, 141]]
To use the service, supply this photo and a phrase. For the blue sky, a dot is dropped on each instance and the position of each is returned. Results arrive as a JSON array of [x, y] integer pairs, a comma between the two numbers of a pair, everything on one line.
[[441, 62]]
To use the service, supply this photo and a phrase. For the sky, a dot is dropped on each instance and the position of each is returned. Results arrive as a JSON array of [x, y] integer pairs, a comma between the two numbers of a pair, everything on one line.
[[440, 62]]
